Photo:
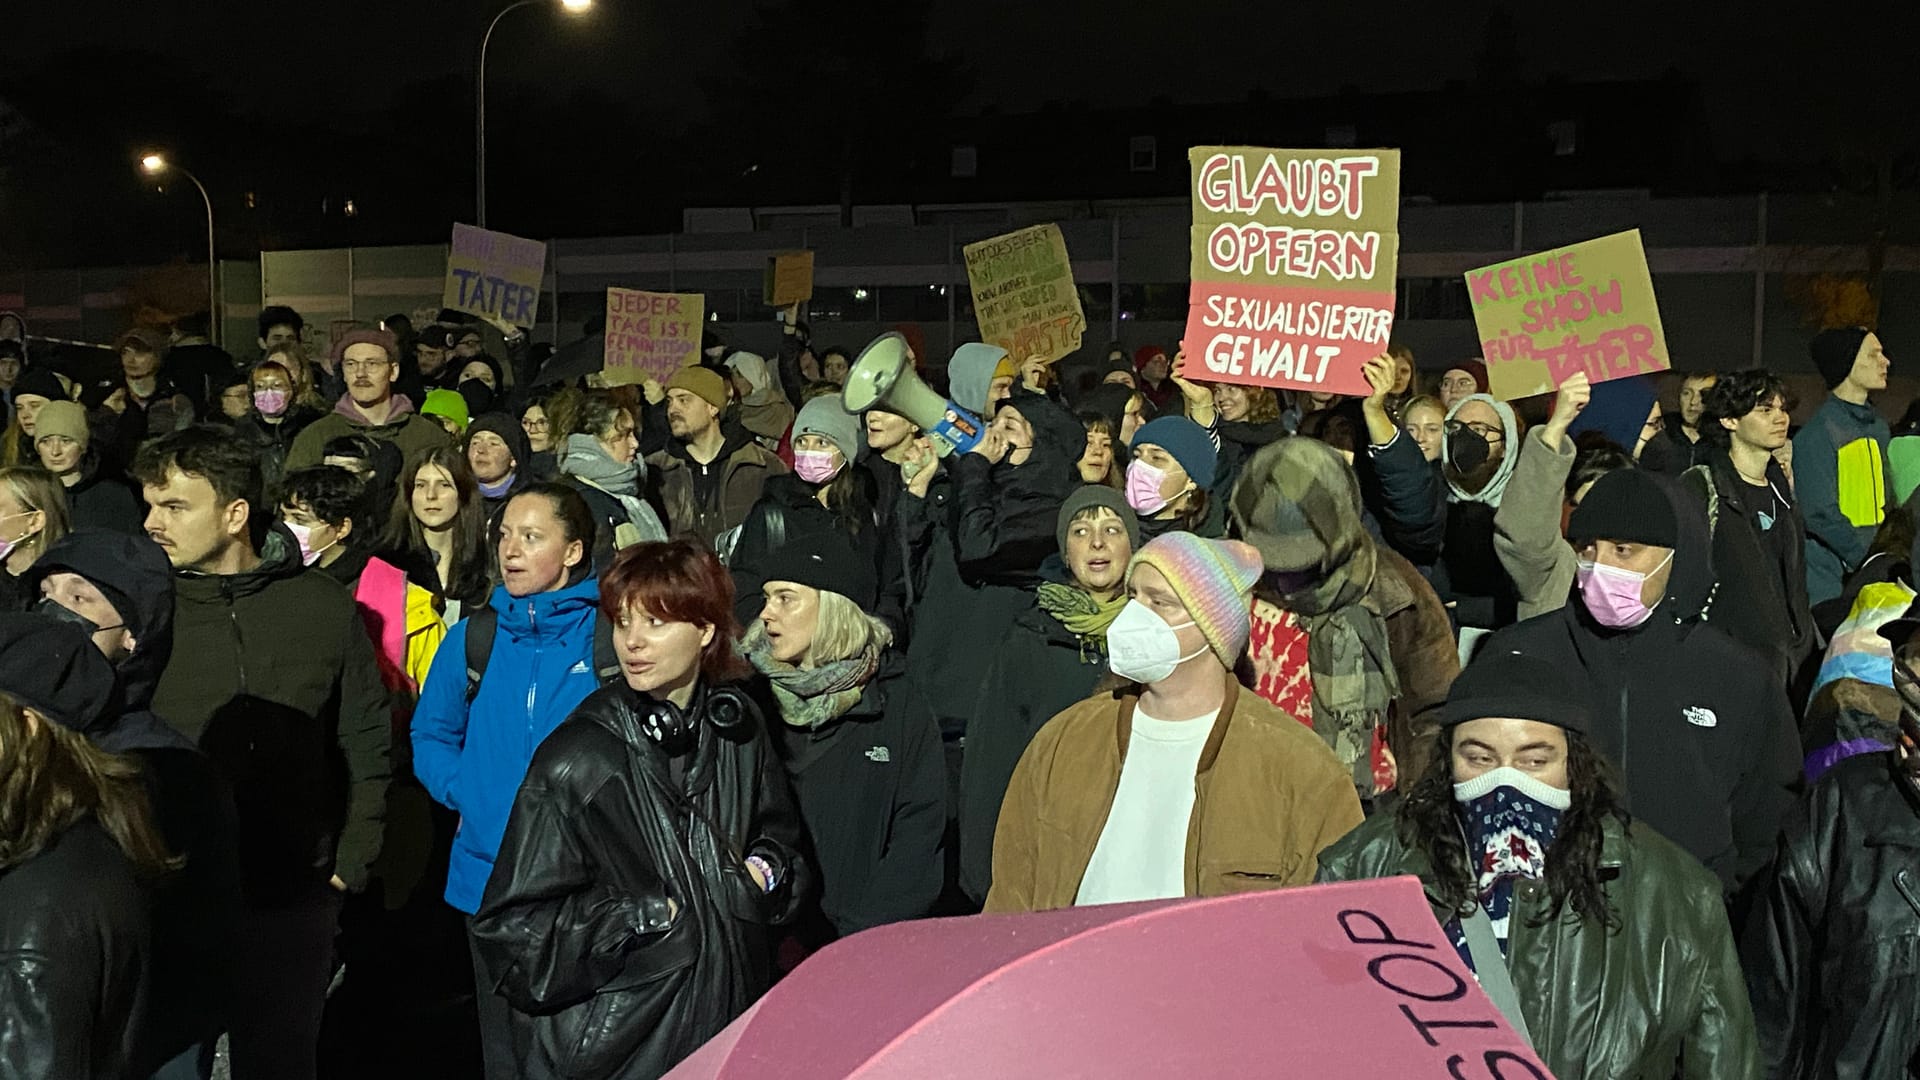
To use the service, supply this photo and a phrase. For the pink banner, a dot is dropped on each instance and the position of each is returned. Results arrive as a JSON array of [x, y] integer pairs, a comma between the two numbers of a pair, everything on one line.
[[1294, 337]]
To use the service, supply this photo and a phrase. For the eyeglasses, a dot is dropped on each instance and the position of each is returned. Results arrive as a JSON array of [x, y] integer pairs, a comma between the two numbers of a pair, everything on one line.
[[535, 425], [363, 365], [1485, 431]]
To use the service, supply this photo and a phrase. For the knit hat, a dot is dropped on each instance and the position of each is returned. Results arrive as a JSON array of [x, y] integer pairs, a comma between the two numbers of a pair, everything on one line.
[[1214, 579], [1145, 353], [67, 418], [510, 432], [40, 382], [1093, 495], [1629, 505], [702, 382], [1512, 685], [363, 337], [970, 374], [447, 403], [1834, 352], [1476, 368], [1186, 441], [827, 418], [1003, 370], [499, 377], [52, 666], [824, 560]]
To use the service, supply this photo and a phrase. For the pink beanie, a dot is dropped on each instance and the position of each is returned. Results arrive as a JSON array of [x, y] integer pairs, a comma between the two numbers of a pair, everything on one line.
[[1214, 579]]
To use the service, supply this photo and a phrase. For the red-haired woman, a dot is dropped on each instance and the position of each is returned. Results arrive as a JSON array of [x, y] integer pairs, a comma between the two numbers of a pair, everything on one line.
[[653, 842]]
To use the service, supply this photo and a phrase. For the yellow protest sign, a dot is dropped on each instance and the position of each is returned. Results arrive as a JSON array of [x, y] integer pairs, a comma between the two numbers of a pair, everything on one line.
[[1585, 307], [1023, 293], [651, 335], [789, 279], [495, 275]]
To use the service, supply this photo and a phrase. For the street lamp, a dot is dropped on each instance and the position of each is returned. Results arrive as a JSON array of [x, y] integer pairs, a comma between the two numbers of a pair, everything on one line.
[[572, 7], [158, 165]]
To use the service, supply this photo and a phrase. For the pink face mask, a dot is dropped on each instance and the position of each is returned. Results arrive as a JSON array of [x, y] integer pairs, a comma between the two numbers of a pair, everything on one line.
[[816, 466], [1143, 488], [270, 402], [1612, 593]]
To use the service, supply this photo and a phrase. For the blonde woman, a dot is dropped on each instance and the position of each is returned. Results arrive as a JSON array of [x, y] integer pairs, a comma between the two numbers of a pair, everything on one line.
[[33, 514]]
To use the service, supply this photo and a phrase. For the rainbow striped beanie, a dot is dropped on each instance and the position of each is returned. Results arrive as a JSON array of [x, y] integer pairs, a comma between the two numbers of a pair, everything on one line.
[[1214, 579]]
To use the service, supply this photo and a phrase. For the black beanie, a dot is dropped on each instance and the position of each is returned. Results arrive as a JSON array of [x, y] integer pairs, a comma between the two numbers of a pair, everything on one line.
[[826, 561], [53, 667], [1834, 352], [1629, 505], [40, 382], [1511, 685], [510, 432]]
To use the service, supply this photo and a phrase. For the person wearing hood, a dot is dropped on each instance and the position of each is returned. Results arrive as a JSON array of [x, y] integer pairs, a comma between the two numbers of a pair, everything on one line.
[[1178, 784], [764, 411], [1603, 944], [856, 735], [826, 493], [981, 377], [1053, 656], [1704, 739], [119, 590], [1405, 488], [712, 472], [1476, 463], [1840, 460], [1347, 636], [273, 675], [601, 461], [370, 406], [1169, 478], [66, 450]]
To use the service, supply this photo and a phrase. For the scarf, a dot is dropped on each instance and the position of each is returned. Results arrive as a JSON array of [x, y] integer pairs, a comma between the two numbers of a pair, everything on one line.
[[1510, 451], [811, 698], [1510, 820], [1084, 617], [494, 491], [585, 458]]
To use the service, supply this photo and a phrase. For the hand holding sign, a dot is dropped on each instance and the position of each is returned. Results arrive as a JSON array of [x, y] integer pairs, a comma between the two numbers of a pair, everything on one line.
[[1380, 375], [1033, 374], [1198, 396]]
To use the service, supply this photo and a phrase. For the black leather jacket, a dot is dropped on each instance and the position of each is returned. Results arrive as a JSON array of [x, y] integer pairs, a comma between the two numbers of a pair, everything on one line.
[[576, 931], [1833, 952]]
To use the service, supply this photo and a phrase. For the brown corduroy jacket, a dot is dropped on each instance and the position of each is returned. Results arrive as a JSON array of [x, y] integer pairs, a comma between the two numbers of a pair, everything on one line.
[[1268, 797]]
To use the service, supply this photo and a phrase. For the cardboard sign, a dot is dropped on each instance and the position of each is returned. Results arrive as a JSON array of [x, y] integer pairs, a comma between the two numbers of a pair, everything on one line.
[[495, 275], [651, 335], [1588, 307], [1023, 293], [1293, 259], [789, 279]]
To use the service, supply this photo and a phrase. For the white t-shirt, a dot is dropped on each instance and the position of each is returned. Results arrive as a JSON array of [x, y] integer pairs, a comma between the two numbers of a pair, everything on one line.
[[1142, 853]]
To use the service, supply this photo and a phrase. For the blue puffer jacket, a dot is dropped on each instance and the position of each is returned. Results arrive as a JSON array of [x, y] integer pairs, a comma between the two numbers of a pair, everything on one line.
[[472, 760]]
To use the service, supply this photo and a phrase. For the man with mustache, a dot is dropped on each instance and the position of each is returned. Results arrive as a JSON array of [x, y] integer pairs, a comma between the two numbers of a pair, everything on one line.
[[368, 361], [711, 472]]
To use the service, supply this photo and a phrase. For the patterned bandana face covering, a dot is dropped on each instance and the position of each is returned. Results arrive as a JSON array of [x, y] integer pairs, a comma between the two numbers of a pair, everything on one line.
[[1510, 820]]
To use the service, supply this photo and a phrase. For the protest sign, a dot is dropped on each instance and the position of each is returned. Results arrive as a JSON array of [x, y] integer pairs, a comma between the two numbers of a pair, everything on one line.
[[651, 335], [789, 279], [1587, 307], [1293, 257], [1023, 293], [494, 275]]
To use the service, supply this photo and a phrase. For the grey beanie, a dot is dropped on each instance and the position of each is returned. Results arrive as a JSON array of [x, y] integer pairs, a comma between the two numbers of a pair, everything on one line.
[[825, 417], [1092, 495]]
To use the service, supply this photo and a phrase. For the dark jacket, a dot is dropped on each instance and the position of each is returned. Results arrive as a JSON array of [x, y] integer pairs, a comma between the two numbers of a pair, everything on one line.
[[273, 441], [1670, 452], [74, 944], [872, 791], [744, 469], [575, 929], [104, 502], [788, 508], [1469, 572], [1659, 998], [1833, 951], [1693, 719], [199, 369], [405, 429], [1759, 597], [1035, 671], [1239, 440], [1841, 477], [1408, 497], [273, 676]]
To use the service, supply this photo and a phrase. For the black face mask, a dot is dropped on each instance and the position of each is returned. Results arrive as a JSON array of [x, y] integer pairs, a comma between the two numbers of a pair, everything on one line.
[[52, 609], [1467, 449]]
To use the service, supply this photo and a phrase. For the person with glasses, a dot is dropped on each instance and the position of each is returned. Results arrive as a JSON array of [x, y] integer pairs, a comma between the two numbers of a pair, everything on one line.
[[366, 359], [538, 425], [1476, 462]]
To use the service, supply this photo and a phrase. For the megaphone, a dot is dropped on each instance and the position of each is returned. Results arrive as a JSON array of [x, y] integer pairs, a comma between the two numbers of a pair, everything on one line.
[[881, 376]]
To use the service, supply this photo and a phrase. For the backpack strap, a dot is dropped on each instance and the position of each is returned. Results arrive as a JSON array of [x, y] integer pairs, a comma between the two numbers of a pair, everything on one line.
[[606, 661], [482, 626]]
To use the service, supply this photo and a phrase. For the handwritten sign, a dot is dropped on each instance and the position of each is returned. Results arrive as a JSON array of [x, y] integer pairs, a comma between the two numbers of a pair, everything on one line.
[[789, 279], [1293, 258], [495, 275], [1588, 307], [1023, 293], [651, 335]]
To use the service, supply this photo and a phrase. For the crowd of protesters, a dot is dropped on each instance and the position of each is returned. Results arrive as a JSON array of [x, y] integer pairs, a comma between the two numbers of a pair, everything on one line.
[[641, 695]]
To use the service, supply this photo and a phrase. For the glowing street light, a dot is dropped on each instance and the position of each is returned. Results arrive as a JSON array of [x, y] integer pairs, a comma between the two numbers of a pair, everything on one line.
[[156, 164], [571, 7]]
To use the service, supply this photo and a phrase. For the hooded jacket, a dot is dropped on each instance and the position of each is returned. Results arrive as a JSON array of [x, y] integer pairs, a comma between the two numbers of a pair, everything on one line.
[[575, 931], [1840, 475], [273, 676], [404, 428], [1710, 762], [1526, 528], [471, 758], [1760, 596], [1469, 573], [744, 468]]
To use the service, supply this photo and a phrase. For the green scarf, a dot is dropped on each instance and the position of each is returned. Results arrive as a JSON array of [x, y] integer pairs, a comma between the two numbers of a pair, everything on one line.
[[810, 698], [1084, 617]]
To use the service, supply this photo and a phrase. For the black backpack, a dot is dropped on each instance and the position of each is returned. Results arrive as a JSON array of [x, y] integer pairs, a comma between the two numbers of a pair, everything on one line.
[[484, 624]]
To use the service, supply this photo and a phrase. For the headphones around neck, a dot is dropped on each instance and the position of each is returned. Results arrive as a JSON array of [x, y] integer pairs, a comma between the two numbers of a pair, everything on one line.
[[726, 708]]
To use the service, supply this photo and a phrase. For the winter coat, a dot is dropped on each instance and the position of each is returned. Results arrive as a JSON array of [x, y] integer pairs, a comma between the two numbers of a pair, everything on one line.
[[1658, 998], [871, 787], [1840, 475], [74, 947], [744, 469], [1268, 796], [1469, 572], [787, 507], [472, 757], [403, 622], [1407, 497], [105, 503], [273, 441], [1833, 949], [273, 676], [1239, 440], [405, 429], [1037, 670], [575, 931], [609, 514], [1759, 598], [1711, 762], [1526, 528], [1669, 452]]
